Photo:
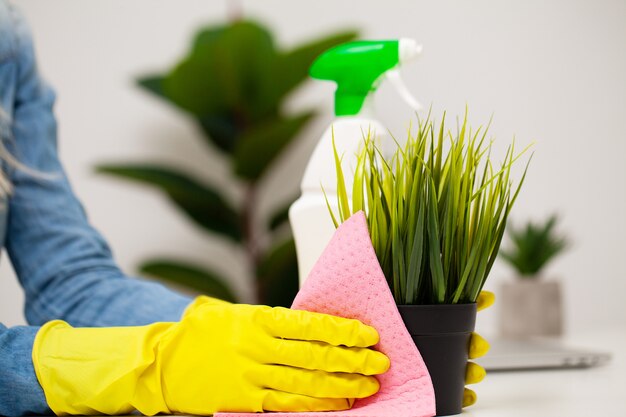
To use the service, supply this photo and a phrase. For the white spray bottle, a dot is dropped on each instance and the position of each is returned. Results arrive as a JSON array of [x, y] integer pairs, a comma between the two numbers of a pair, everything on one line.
[[357, 68]]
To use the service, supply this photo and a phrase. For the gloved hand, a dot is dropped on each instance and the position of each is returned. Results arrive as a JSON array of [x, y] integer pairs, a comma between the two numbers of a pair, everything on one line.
[[220, 357], [478, 347]]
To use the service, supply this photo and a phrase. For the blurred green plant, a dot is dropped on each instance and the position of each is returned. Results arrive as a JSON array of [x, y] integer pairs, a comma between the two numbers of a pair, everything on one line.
[[233, 82], [533, 246], [436, 211]]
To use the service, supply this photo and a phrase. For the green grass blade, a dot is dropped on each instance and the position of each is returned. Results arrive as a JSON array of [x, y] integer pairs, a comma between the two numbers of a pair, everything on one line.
[[342, 194], [436, 269], [330, 210]]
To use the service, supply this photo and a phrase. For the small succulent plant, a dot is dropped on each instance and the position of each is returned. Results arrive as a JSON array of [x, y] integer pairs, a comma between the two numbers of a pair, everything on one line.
[[533, 246]]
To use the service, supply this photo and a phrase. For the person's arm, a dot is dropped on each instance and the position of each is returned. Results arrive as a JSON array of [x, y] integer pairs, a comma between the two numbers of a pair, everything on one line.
[[20, 392], [64, 264]]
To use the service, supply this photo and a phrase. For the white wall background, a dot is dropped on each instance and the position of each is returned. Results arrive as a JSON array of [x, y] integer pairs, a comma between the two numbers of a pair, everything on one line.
[[553, 72]]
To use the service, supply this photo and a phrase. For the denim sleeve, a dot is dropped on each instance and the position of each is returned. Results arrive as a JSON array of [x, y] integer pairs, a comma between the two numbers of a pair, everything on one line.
[[20, 393], [64, 265]]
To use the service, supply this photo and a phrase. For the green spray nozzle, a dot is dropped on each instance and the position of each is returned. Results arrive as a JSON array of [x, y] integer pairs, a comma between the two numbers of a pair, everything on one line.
[[357, 68]]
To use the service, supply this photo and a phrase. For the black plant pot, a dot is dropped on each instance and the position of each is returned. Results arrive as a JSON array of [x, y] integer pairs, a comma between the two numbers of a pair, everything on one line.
[[441, 334]]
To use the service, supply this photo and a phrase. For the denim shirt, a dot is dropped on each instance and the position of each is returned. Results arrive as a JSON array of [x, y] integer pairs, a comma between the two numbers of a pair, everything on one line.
[[64, 266]]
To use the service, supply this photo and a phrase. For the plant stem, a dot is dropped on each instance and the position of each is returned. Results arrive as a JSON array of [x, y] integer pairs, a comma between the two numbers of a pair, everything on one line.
[[235, 10], [251, 237]]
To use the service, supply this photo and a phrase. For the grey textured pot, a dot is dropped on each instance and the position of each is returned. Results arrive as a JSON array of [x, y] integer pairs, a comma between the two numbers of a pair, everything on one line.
[[530, 307]]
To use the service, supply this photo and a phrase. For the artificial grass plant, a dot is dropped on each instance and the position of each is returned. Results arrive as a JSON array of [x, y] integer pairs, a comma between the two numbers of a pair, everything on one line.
[[436, 210]]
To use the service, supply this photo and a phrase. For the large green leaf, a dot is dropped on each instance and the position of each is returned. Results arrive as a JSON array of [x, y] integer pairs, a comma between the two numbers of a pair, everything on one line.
[[257, 149], [200, 202], [208, 35], [189, 275], [153, 84], [292, 67], [221, 81], [234, 79], [223, 71], [222, 130], [278, 275]]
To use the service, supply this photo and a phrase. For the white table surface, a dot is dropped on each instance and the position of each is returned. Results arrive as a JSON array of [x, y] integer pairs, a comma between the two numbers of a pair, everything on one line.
[[599, 391]]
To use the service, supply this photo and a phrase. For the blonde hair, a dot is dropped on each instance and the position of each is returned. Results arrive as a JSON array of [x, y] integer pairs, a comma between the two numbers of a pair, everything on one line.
[[5, 156]]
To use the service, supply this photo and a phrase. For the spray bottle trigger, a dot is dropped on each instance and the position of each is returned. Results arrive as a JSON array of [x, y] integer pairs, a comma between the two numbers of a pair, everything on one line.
[[394, 77]]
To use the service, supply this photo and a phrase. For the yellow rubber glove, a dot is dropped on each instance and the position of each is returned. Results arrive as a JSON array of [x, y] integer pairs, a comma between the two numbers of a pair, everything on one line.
[[220, 357], [478, 347]]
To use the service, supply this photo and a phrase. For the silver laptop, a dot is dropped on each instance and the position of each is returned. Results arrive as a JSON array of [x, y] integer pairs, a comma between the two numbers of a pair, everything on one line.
[[514, 355]]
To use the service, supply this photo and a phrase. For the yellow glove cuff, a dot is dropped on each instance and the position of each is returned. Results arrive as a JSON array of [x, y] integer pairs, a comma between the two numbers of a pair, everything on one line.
[[110, 370]]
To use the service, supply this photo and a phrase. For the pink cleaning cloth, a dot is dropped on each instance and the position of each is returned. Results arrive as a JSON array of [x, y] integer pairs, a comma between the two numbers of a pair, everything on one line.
[[347, 281]]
